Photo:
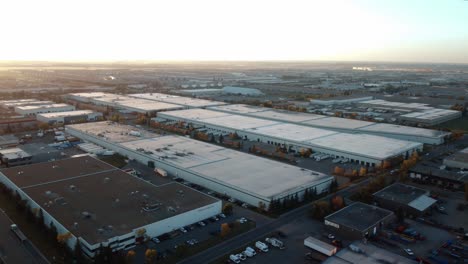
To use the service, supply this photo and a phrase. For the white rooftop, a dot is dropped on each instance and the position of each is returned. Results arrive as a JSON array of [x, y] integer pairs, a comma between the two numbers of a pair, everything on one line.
[[365, 145], [32, 107], [292, 132], [422, 202], [178, 100], [112, 132], [288, 116], [384, 103], [239, 108], [404, 130], [238, 170], [431, 114], [336, 122], [67, 113], [13, 153]]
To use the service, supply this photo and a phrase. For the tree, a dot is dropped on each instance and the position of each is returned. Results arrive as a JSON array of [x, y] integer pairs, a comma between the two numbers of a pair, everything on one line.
[[339, 171], [261, 206], [130, 256], [320, 209], [227, 209], [63, 238], [337, 202], [334, 185], [150, 255], [43, 126], [225, 229]]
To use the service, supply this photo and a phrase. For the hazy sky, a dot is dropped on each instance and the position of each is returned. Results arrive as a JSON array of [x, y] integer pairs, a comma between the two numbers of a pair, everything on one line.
[[375, 30]]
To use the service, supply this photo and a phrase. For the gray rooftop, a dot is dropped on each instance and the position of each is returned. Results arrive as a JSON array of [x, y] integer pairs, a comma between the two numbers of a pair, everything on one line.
[[400, 193], [359, 216]]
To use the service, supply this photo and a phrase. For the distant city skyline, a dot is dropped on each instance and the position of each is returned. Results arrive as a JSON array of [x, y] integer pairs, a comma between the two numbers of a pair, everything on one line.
[[427, 31]]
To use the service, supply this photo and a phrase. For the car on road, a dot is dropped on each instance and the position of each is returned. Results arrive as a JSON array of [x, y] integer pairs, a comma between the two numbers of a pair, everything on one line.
[[409, 251], [234, 258], [222, 215], [243, 220], [155, 240], [331, 236]]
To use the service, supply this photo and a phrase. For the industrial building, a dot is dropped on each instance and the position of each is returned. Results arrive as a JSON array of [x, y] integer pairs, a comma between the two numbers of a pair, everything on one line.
[[15, 247], [453, 180], [7, 141], [412, 200], [69, 117], [431, 117], [186, 102], [361, 148], [457, 160], [366, 253], [394, 106], [241, 91], [340, 100], [358, 220], [32, 110], [426, 136], [246, 178], [125, 103], [14, 157], [24, 102], [103, 206]]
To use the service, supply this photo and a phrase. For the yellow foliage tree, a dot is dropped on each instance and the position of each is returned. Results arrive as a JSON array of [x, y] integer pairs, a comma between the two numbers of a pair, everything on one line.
[[150, 255], [363, 171], [62, 238], [225, 229], [339, 171]]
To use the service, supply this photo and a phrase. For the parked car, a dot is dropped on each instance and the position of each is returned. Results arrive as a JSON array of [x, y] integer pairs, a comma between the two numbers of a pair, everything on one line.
[[222, 215], [234, 258], [409, 251], [155, 240], [201, 223], [183, 230]]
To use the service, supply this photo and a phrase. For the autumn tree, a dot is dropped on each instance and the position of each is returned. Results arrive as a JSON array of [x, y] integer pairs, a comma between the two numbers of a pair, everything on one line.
[[150, 255], [337, 202], [130, 256], [227, 209], [225, 229]]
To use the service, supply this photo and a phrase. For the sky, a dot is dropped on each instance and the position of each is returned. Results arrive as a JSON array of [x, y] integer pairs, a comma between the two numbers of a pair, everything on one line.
[[181, 30]]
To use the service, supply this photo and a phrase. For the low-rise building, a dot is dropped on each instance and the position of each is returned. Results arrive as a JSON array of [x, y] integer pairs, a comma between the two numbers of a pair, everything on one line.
[[14, 157], [457, 160], [412, 200], [7, 141], [69, 117], [358, 220], [99, 205], [32, 110], [241, 91]]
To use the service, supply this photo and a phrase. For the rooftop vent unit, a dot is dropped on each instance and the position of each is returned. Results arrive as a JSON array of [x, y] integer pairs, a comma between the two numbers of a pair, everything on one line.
[[86, 215], [75, 225], [106, 179], [100, 231], [72, 187], [48, 192]]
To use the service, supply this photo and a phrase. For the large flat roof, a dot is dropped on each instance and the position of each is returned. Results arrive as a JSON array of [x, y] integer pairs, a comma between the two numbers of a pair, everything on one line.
[[239, 108], [292, 132], [359, 216], [460, 156], [178, 100], [289, 116], [238, 170], [113, 132], [66, 113], [146, 105], [432, 114], [403, 130], [400, 193], [114, 200], [33, 107], [359, 144], [365, 145], [336, 122]]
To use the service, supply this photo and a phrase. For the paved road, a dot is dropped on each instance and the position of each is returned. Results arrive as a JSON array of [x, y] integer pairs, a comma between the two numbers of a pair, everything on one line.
[[226, 247]]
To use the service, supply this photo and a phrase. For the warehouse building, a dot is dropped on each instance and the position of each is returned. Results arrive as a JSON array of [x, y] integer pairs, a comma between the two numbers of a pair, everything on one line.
[[241, 91], [69, 117], [11, 157], [457, 160], [103, 206], [452, 180], [186, 102], [9, 140], [431, 117], [358, 220], [125, 103], [426, 136], [12, 105], [360, 148], [32, 110], [246, 178], [412, 200], [395, 106], [340, 100]]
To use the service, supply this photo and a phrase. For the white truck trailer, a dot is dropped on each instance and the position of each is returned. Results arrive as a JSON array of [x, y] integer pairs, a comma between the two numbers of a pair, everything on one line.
[[320, 246]]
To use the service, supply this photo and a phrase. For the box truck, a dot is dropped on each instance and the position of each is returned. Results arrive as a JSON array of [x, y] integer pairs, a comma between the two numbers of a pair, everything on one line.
[[320, 246]]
